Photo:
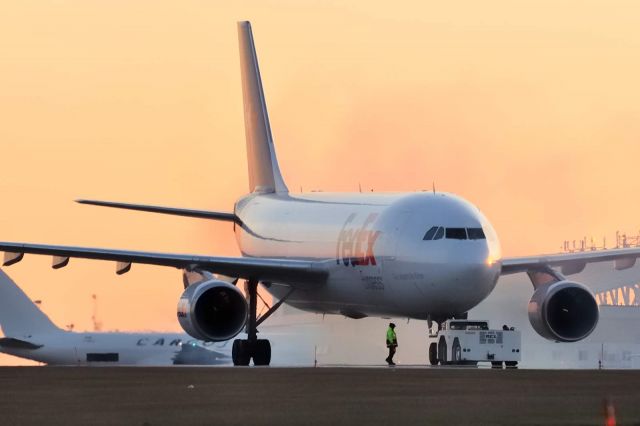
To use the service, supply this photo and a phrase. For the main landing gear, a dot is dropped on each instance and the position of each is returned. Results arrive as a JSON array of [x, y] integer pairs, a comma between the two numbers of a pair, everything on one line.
[[259, 350]]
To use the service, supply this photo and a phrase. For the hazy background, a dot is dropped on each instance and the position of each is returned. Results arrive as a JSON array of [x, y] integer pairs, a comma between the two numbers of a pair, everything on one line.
[[529, 109]]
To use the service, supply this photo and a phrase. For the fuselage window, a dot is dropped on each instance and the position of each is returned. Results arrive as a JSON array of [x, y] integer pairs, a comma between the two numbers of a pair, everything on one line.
[[456, 234], [475, 233], [430, 233]]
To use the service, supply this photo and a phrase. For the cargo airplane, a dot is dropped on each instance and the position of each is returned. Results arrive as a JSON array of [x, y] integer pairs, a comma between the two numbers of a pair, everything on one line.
[[426, 255], [30, 334]]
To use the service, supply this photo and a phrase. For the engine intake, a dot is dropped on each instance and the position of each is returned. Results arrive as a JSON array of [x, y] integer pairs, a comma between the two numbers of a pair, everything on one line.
[[212, 311], [564, 311]]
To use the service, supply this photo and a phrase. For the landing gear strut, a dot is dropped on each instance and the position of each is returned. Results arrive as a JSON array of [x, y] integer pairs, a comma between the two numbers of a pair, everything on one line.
[[244, 350]]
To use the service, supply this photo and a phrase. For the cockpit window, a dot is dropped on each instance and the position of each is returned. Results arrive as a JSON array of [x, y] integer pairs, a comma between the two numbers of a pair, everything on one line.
[[439, 234], [434, 233], [430, 233], [456, 234], [475, 233]]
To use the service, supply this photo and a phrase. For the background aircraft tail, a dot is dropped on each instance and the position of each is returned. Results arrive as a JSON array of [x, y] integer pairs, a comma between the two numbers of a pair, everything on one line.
[[19, 316], [264, 173]]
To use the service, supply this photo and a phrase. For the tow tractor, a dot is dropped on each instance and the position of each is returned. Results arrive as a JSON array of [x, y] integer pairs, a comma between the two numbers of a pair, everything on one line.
[[467, 342]]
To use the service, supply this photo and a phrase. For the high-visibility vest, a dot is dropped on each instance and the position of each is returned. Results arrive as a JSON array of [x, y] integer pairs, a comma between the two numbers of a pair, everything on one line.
[[391, 336]]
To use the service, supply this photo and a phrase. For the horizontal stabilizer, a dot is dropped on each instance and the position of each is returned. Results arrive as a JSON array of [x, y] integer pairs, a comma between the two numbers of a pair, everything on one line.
[[10, 342], [202, 214]]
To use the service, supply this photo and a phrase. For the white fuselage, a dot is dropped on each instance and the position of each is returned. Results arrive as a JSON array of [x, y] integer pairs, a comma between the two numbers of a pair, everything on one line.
[[379, 262], [69, 348]]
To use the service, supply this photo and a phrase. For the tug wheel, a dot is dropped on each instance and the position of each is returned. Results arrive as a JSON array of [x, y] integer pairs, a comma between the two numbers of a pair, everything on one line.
[[433, 354]]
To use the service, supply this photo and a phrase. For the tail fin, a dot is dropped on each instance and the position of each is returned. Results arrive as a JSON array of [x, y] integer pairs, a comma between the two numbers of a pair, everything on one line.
[[19, 316], [264, 173]]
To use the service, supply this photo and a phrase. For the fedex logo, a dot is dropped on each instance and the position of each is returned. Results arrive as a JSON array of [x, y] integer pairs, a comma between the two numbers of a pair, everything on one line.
[[355, 244]]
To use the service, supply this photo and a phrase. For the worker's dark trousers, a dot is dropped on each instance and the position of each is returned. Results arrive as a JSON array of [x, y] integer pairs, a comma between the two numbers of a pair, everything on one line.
[[392, 352]]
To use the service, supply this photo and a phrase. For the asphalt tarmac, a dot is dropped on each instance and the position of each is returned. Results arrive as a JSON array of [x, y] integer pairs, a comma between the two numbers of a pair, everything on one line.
[[314, 396]]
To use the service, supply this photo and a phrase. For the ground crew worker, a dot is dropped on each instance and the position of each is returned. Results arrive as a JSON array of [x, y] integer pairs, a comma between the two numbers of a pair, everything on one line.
[[392, 343]]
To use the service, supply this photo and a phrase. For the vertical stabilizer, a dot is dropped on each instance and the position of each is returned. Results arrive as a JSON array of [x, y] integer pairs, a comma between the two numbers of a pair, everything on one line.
[[19, 316], [264, 173]]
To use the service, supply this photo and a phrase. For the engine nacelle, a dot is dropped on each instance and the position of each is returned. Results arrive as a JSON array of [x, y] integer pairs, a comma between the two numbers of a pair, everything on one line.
[[564, 311], [212, 311]]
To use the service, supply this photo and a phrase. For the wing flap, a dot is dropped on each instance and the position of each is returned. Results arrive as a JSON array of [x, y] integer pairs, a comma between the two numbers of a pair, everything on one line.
[[59, 262], [123, 267], [11, 258], [624, 263], [295, 273]]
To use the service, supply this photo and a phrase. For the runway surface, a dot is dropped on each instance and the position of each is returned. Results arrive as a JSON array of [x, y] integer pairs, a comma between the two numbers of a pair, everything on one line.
[[331, 396]]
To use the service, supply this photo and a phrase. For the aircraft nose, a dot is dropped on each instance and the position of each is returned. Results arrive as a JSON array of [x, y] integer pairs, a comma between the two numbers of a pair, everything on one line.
[[471, 253], [477, 270]]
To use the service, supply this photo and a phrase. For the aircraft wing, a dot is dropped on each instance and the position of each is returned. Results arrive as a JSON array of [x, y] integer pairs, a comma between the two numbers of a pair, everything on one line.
[[295, 273], [571, 263]]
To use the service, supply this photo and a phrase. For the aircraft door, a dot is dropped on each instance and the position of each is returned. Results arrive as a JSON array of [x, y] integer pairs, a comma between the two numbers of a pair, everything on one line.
[[393, 236]]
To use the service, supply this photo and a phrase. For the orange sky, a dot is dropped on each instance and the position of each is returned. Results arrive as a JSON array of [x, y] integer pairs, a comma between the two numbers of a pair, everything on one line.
[[529, 109]]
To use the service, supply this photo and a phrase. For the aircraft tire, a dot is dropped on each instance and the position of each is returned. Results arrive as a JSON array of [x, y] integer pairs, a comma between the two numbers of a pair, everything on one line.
[[240, 352], [456, 352], [262, 355], [496, 364], [433, 353], [442, 351]]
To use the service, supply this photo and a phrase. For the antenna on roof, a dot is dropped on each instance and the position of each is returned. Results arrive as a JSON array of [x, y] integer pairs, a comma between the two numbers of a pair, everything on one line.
[[359, 187], [433, 185]]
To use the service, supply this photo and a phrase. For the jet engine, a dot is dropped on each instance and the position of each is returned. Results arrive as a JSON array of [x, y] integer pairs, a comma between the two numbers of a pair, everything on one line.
[[564, 311], [212, 311]]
